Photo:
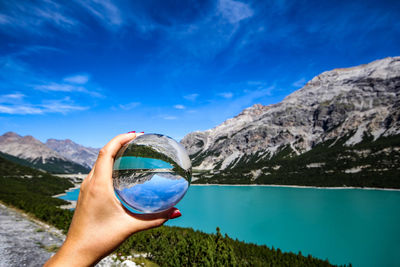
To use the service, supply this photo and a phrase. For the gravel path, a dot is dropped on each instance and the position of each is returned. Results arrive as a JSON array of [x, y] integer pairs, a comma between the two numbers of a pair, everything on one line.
[[24, 242], [28, 242]]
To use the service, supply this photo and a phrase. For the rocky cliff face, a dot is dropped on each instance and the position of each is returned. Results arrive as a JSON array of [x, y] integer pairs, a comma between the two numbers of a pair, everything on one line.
[[85, 156], [353, 103], [35, 154], [26, 147]]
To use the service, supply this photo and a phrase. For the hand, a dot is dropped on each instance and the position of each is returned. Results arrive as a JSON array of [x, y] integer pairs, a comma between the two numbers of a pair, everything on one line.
[[100, 222]]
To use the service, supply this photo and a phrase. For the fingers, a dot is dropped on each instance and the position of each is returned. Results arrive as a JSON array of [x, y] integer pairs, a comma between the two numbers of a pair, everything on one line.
[[89, 176], [105, 160], [147, 221], [111, 148], [86, 181], [153, 216]]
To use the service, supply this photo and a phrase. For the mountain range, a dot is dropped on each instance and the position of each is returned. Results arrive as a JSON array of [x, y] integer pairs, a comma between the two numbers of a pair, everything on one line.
[[86, 156], [341, 129], [55, 156]]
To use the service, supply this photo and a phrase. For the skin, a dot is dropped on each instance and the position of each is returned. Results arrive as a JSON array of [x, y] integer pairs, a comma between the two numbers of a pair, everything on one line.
[[100, 222]]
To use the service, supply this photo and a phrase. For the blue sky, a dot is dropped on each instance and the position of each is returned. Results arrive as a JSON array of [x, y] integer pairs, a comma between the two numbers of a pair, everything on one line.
[[88, 70]]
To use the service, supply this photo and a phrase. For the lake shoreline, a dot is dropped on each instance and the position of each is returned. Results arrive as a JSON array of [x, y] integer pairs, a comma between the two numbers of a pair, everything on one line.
[[76, 186], [303, 186], [266, 185]]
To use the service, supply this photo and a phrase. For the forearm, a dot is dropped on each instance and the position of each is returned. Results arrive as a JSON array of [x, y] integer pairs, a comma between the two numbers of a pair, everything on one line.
[[100, 222], [71, 255]]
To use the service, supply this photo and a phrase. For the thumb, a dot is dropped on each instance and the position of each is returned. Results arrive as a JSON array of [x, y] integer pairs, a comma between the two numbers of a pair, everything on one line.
[[148, 221]]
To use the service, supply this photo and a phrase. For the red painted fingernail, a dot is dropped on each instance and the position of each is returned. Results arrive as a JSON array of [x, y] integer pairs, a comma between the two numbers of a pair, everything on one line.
[[141, 132], [175, 214], [132, 132]]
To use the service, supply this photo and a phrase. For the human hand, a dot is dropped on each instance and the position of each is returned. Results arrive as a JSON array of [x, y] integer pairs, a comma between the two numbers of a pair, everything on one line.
[[100, 222]]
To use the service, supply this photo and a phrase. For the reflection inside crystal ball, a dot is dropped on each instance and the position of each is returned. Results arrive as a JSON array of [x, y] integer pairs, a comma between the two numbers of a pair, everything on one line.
[[151, 173]]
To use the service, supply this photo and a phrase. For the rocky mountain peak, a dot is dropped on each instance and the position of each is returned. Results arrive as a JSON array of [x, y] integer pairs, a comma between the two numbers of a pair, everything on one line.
[[26, 147], [11, 135], [30, 139], [36, 154], [255, 110], [85, 156], [331, 84], [353, 101]]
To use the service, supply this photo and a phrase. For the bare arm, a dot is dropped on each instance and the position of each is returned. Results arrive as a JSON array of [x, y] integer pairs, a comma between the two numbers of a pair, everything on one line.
[[100, 222]]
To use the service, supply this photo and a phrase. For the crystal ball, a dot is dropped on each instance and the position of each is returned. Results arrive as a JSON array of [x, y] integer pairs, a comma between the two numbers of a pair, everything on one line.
[[151, 173]]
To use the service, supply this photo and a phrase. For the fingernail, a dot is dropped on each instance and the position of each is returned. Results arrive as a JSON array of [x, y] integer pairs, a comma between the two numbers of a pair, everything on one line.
[[141, 132], [132, 132], [175, 214]]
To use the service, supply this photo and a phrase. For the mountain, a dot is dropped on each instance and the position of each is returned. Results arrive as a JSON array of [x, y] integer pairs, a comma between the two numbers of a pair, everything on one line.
[[31, 152], [85, 156], [341, 129]]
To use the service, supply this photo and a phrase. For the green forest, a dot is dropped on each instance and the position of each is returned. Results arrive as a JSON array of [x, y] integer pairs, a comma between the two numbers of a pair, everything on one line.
[[31, 191], [53, 165]]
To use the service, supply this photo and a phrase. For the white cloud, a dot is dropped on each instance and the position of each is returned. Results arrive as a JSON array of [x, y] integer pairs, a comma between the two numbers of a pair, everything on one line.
[[22, 110], [299, 83], [251, 96], [60, 87], [226, 95], [53, 13], [255, 83], [234, 11], [179, 107], [129, 106], [70, 84], [77, 79], [76, 83], [4, 19], [31, 16], [17, 74], [49, 106], [191, 97], [11, 98], [60, 106], [169, 117], [104, 10]]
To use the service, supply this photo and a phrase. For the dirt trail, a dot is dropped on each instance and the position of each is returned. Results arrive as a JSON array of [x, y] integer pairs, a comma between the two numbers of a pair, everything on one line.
[[24, 242], [28, 242]]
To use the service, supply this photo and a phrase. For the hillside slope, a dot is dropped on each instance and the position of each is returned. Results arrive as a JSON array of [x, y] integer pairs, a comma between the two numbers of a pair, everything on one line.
[[85, 156], [347, 113], [28, 151]]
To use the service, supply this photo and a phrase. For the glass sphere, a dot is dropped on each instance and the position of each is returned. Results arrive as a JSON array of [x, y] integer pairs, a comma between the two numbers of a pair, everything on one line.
[[151, 173]]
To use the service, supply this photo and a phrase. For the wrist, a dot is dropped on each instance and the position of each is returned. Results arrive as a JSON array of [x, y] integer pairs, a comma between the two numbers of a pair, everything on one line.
[[71, 254]]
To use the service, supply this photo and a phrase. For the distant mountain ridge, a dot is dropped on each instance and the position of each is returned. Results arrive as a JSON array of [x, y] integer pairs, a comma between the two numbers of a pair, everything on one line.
[[31, 152], [342, 107], [85, 156], [26, 147]]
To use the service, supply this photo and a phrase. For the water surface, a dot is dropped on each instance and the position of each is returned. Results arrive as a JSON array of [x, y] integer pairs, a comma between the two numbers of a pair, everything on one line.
[[342, 225]]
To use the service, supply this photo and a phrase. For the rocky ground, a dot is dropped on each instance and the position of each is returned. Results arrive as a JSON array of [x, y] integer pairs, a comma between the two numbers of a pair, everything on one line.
[[28, 242], [24, 242]]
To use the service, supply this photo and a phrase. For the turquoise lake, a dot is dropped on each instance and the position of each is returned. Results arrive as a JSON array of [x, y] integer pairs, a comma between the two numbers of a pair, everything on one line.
[[355, 226]]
